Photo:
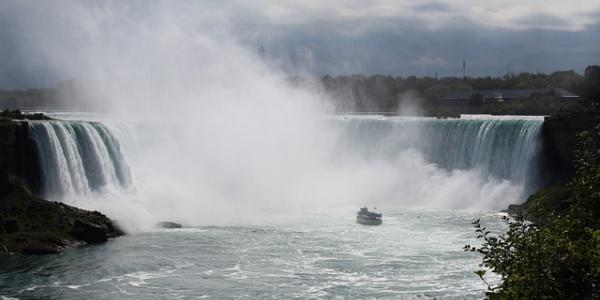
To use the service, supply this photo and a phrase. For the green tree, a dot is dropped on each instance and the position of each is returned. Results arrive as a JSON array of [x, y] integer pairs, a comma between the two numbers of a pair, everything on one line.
[[437, 91], [558, 256]]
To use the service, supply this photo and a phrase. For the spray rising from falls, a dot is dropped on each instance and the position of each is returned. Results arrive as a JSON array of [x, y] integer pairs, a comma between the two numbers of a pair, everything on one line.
[[78, 158]]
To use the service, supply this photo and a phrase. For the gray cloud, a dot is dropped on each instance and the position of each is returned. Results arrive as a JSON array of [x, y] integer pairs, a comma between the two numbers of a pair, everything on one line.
[[506, 14], [334, 37], [543, 21], [426, 52], [431, 7]]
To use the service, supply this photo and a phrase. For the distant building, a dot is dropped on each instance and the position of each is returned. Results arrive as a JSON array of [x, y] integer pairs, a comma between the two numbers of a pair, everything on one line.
[[463, 97]]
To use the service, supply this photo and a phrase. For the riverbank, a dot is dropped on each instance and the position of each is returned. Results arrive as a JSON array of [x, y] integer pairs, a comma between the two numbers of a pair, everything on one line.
[[35, 226], [551, 249], [560, 138]]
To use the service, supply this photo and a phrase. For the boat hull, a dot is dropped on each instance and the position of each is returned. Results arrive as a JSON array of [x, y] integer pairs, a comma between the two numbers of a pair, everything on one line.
[[364, 221]]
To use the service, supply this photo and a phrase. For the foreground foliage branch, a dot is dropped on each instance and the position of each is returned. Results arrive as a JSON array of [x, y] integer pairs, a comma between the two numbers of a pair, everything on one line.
[[558, 256]]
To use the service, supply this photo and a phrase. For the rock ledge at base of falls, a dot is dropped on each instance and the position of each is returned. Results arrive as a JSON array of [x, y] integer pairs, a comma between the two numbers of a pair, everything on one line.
[[168, 225], [555, 199], [32, 225]]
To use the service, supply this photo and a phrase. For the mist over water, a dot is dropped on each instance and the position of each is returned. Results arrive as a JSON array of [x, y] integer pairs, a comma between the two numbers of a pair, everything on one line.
[[210, 134]]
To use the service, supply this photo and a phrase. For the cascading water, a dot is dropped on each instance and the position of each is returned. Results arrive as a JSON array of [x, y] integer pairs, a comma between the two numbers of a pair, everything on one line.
[[78, 158], [501, 147]]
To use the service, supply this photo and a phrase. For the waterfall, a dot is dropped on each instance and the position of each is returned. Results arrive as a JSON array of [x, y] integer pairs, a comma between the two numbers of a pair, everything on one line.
[[78, 158], [482, 161], [502, 147]]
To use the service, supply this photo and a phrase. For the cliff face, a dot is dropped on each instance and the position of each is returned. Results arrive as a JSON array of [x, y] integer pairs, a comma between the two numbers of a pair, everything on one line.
[[18, 154], [559, 137]]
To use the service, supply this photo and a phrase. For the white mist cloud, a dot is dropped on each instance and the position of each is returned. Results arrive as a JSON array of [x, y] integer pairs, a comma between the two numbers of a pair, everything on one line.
[[213, 134]]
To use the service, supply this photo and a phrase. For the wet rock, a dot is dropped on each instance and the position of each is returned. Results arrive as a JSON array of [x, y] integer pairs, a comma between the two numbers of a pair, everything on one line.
[[11, 226], [556, 199], [41, 248], [35, 226], [89, 232], [169, 225]]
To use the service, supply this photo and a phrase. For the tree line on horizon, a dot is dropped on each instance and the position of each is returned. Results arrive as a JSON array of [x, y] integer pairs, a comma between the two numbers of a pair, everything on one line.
[[386, 93], [378, 93]]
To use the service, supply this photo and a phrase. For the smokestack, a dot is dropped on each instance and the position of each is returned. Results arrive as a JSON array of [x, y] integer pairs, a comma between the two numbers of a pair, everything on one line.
[[464, 70]]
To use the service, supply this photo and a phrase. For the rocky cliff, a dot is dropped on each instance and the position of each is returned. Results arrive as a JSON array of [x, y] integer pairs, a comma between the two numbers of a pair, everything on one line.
[[35, 226], [18, 154], [559, 137]]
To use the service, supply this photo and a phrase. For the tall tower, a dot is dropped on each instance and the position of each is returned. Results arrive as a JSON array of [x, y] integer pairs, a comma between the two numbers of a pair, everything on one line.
[[261, 52], [464, 70]]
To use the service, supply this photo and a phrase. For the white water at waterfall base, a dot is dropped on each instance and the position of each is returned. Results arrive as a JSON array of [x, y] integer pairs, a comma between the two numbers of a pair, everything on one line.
[[415, 254]]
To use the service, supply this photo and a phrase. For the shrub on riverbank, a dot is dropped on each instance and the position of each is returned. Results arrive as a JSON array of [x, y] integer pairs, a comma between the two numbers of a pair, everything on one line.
[[9, 115], [557, 255]]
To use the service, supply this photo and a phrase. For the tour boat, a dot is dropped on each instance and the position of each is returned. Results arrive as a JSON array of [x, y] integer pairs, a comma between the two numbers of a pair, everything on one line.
[[367, 217]]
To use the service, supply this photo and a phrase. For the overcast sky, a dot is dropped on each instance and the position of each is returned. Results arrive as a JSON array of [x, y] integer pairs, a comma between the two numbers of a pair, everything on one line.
[[343, 36]]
